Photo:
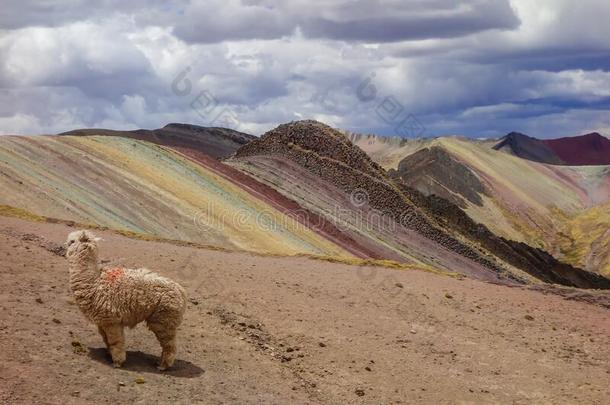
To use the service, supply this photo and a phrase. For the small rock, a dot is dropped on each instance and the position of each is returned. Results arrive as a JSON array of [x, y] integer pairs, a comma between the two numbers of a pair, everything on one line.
[[448, 296], [78, 347], [367, 368], [194, 301], [529, 317], [359, 392], [39, 300], [399, 285], [321, 344], [413, 331], [290, 349], [139, 380], [56, 320], [121, 383]]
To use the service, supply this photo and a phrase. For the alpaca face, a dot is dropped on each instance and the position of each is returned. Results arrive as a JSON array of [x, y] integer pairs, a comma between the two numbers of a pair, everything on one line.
[[80, 242]]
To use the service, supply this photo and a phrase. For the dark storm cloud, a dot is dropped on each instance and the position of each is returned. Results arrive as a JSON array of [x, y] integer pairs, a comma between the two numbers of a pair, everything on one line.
[[370, 21], [217, 21], [405, 23]]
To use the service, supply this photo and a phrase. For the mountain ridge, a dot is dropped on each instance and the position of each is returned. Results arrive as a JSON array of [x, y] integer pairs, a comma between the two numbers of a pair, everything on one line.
[[214, 141], [321, 150]]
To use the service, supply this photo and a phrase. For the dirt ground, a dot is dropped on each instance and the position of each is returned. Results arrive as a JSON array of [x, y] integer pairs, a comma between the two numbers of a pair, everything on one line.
[[295, 330]]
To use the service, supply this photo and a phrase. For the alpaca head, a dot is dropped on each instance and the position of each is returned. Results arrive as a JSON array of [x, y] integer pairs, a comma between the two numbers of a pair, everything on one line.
[[80, 244]]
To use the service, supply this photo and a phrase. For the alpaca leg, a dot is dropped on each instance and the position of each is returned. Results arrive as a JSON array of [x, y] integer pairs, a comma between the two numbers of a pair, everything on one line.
[[103, 334], [116, 344], [167, 338]]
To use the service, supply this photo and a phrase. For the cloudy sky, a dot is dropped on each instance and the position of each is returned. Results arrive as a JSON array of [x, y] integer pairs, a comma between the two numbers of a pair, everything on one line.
[[409, 67]]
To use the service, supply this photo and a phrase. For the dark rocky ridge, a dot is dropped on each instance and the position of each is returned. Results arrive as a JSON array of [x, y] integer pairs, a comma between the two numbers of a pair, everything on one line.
[[434, 171], [534, 261], [327, 153], [213, 141], [528, 148], [584, 150]]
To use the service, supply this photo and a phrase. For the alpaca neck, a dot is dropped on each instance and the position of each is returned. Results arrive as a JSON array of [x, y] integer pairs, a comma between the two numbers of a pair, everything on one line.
[[84, 271]]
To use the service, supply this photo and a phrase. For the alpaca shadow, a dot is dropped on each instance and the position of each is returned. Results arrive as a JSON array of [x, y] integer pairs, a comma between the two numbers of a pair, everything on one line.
[[147, 363]]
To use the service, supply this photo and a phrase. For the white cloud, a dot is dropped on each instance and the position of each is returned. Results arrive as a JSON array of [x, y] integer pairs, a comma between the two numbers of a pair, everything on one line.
[[483, 67]]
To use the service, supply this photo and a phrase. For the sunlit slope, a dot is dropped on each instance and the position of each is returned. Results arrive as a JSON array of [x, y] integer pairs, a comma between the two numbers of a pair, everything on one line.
[[134, 185], [586, 239], [522, 200]]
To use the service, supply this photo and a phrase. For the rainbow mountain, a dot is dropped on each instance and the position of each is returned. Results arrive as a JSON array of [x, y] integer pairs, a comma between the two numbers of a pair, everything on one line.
[[448, 204]]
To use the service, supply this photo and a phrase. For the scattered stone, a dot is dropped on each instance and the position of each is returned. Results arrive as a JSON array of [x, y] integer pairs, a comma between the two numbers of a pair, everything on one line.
[[367, 368], [121, 384], [194, 301], [39, 300], [413, 331], [321, 344], [448, 296], [286, 359], [139, 380], [56, 320], [529, 317], [78, 347], [359, 392], [290, 349], [399, 285]]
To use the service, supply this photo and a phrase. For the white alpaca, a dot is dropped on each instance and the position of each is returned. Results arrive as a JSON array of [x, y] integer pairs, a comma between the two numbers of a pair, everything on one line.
[[120, 297]]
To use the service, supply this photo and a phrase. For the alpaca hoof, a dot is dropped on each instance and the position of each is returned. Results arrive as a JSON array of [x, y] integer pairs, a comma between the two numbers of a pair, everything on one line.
[[164, 365], [117, 365]]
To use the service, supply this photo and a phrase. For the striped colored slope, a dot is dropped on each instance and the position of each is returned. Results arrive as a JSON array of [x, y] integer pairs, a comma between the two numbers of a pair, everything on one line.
[[133, 185], [523, 200]]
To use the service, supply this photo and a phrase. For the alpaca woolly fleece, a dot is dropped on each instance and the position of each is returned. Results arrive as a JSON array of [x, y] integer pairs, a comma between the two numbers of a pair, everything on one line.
[[118, 297]]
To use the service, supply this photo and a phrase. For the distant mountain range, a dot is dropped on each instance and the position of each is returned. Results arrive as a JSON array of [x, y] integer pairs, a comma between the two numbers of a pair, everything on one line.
[[562, 209], [216, 142], [584, 150], [485, 209]]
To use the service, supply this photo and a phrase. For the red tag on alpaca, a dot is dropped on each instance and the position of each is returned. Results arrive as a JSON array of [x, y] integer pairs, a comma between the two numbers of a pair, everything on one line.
[[114, 274]]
